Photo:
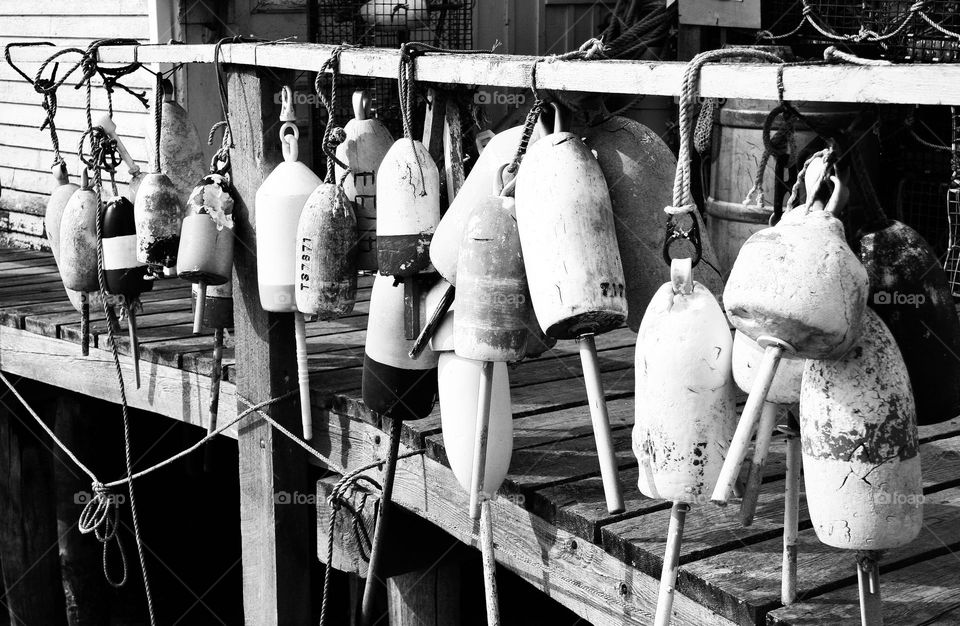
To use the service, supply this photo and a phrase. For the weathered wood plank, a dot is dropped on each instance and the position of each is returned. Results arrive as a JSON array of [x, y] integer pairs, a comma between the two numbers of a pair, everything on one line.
[[937, 84]]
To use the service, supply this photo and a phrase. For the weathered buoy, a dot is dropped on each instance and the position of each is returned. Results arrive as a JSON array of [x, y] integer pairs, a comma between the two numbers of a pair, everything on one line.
[[910, 292], [326, 272], [62, 191], [159, 215], [685, 408], [78, 252], [408, 208], [136, 176], [181, 153], [367, 142], [394, 384], [445, 245], [395, 16], [123, 274], [205, 255], [860, 452], [492, 296], [572, 263], [797, 288], [639, 170], [279, 204]]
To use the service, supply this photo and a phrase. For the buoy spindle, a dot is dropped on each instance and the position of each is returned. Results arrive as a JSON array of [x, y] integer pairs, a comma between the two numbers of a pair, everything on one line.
[[601, 425], [671, 563]]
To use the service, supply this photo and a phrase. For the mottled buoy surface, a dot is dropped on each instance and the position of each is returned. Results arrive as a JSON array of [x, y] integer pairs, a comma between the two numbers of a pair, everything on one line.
[[685, 404], [181, 152], [158, 211], [860, 451], [78, 240]]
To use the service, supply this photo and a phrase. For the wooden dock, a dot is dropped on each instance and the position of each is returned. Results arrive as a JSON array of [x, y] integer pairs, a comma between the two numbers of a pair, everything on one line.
[[550, 521]]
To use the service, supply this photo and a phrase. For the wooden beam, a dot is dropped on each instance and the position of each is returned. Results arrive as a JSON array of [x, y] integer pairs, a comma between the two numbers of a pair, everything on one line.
[[275, 532], [28, 521], [916, 83]]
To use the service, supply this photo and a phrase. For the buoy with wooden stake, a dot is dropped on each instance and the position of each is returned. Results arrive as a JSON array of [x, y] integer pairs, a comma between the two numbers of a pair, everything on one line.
[[158, 208], [279, 203], [136, 176], [573, 266], [178, 149], [685, 405], [78, 250], [124, 275], [910, 292], [795, 288], [639, 169], [367, 142], [205, 256], [861, 455], [784, 391]]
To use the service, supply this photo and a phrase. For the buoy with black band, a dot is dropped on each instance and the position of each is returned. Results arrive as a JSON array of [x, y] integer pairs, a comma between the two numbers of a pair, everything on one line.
[[279, 203], [573, 266], [78, 250], [795, 288], [685, 405], [367, 142], [124, 275]]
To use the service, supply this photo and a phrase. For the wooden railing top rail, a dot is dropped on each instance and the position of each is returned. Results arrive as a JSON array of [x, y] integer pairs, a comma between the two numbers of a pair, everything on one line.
[[937, 84]]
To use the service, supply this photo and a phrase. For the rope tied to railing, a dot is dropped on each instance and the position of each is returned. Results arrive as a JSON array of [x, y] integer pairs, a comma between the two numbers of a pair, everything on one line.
[[333, 135]]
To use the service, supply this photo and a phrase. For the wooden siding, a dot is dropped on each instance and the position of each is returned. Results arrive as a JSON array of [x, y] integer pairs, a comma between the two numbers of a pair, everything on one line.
[[25, 152]]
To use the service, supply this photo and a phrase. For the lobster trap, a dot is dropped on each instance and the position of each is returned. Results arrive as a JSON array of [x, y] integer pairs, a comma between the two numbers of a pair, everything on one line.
[[446, 24]]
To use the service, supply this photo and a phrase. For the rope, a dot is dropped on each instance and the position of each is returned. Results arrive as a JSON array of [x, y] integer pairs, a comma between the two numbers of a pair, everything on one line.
[[332, 134], [157, 120], [406, 77]]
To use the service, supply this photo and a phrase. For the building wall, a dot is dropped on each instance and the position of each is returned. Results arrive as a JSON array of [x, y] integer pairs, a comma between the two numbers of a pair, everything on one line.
[[25, 152]]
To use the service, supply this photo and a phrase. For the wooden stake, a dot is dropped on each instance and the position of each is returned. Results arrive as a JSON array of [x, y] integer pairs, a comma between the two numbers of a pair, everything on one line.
[[85, 324], [791, 514], [215, 377], [671, 563], [306, 416], [375, 565], [480, 440], [737, 451], [868, 580], [761, 447], [198, 308], [601, 424], [489, 564], [134, 342]]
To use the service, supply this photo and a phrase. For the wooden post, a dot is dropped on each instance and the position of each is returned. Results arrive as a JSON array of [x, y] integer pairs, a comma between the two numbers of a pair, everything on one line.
[[426, 597], [275, 536], [28, 524]]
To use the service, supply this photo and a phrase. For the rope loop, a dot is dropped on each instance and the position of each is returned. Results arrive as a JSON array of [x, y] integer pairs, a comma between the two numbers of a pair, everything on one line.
[[101, 516]]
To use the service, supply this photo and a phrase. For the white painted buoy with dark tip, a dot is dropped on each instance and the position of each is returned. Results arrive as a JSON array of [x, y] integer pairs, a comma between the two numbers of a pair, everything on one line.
[[367, 142], [279, 204], [408, 208], [685, 408], [795, 288], [573, 266], [123, 274], [205, 255], [326, 272]]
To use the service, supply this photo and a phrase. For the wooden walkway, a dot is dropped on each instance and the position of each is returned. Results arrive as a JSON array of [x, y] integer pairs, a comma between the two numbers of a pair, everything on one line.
[[551, 525]]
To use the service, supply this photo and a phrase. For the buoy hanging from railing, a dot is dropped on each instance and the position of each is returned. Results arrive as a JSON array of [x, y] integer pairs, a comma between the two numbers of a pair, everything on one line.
[[910, 292], [62, 191], [573, 266], [639, 170], [685, 405], [179, 146], [408, 208], [124, 275], [136, 176], [78, 250], [860, 453], [205, 256], [445, 244], [795, 288], [279, 203], [367, 142]]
